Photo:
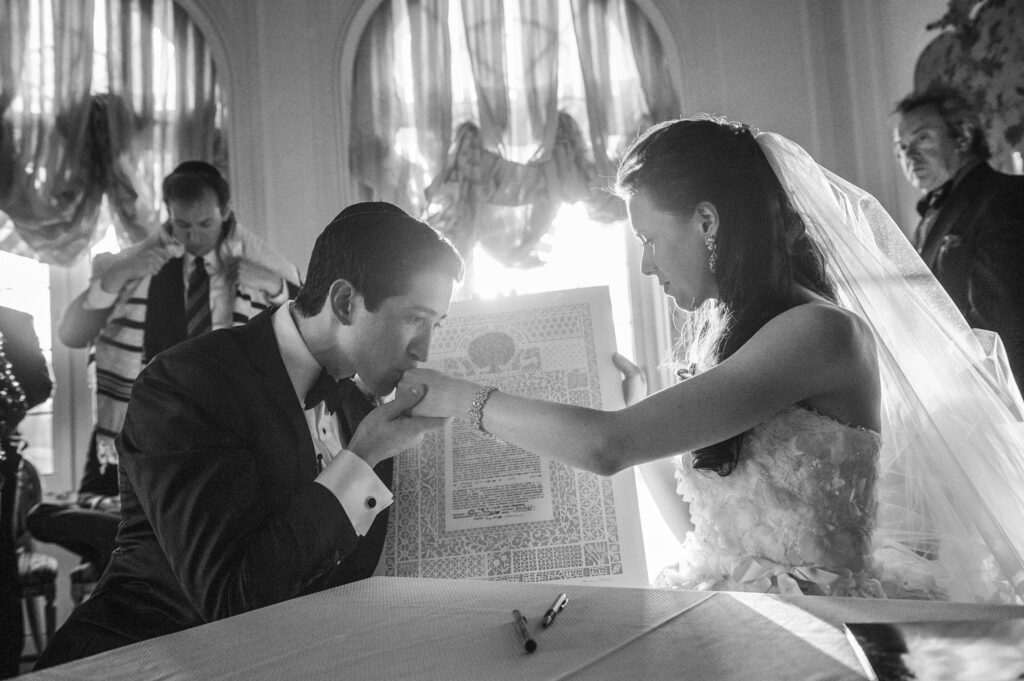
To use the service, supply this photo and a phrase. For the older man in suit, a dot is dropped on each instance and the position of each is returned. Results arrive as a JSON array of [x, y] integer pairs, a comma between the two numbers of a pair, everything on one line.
[[247, 477], [971, 233]]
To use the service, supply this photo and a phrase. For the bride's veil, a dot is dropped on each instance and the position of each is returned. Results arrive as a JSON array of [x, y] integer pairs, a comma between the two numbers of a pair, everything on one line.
[[951, 486]]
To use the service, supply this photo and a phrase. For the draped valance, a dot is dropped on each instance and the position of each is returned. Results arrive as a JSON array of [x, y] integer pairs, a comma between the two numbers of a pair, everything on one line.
[[98, 99], [485, 116]]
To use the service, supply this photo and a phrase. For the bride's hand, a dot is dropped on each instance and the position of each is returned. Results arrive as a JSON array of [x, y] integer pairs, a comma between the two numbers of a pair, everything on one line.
[[634, 383], [445, 396]]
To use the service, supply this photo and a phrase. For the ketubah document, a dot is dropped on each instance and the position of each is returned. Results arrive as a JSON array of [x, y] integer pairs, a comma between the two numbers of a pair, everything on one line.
[[471, 506]]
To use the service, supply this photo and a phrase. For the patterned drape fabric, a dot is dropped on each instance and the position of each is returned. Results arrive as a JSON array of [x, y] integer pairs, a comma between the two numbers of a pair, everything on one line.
[[980, 50], [65, 142], [533, 139]]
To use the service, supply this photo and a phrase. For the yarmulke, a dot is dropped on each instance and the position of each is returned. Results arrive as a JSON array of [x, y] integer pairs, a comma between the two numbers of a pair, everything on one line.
[[378, 208], [196, 168]]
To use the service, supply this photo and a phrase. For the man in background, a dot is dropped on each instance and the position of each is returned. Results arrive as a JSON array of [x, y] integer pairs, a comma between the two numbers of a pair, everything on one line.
[[971, 233], [199, 271], [249, 474], [86, 528]]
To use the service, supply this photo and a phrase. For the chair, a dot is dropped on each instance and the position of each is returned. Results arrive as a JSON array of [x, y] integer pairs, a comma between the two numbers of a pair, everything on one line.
[[37, 572], [83, 581]]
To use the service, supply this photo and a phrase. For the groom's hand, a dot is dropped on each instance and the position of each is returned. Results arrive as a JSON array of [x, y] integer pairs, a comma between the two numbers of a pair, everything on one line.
[[388, 429]]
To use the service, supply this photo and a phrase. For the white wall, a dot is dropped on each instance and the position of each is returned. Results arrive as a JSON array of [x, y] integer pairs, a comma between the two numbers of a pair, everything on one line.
[[823, 72]]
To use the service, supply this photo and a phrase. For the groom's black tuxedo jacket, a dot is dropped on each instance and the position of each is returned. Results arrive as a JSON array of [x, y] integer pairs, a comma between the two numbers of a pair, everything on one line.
[[220, 514]]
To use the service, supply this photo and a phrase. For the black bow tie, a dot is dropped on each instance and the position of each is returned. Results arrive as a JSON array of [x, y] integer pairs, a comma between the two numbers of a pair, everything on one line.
[[932, 200], [328, 391]]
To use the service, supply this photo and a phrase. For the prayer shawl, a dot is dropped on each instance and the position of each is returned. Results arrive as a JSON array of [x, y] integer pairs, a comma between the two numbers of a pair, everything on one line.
[[119, 346]]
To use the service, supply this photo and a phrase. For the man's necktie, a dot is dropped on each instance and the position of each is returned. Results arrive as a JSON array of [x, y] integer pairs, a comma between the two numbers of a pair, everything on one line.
[[197, 305]]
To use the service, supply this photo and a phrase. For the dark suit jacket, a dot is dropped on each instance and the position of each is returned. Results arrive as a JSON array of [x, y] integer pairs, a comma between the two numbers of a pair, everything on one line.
[[21, 349], [976, 250], [220, 514], [21, 346]]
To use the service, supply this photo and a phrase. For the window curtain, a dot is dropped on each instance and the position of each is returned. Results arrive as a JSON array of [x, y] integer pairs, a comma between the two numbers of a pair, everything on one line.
[[47, 189], [66, 144], [487, 190], [398, 141], [661, 103], [379, 170]]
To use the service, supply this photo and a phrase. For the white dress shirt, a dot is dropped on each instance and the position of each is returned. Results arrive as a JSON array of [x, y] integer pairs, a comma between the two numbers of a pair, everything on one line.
[[362, 494]]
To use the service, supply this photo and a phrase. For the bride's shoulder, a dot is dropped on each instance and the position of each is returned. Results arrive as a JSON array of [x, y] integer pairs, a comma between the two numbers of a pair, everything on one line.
[[824, 317], [824, 325]]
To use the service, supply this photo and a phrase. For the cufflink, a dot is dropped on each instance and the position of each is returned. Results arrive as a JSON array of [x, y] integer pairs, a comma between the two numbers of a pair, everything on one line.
[[371, 502]]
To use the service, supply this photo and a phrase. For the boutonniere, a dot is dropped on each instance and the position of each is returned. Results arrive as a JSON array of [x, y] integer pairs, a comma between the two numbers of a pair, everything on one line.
[[951, 241]]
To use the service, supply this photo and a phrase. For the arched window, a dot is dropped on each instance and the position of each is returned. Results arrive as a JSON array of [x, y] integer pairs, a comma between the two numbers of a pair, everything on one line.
[[98, 101], [501, 123]]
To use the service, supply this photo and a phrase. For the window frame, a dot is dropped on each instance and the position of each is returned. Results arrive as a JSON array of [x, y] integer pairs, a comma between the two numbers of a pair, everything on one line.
[[72, 395]]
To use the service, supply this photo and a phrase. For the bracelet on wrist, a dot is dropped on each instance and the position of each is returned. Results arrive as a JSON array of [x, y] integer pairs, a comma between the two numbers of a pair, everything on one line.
[[476, 407]]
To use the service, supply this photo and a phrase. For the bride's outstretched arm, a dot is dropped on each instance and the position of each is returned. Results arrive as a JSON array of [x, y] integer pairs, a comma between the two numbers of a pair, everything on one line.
[[806, 352]]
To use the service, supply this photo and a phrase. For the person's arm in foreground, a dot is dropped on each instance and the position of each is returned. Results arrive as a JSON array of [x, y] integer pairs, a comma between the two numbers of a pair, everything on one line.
[[809, 351], [87, 314]]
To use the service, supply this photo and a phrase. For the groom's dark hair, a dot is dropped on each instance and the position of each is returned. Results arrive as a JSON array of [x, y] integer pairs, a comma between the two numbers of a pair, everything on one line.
[[378, 248]]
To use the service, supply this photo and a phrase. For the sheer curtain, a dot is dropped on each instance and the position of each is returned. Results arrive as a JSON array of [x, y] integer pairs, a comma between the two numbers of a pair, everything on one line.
[[542, 95], [69, 139]]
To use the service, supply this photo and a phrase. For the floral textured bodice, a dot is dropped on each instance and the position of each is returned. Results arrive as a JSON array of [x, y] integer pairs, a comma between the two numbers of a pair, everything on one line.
[[795, 515]]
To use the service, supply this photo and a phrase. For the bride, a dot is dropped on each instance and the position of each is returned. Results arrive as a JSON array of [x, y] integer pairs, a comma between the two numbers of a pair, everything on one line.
[[844, 432]]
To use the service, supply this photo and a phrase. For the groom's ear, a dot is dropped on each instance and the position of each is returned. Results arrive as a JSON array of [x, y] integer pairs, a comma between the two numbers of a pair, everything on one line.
[[340, 297]]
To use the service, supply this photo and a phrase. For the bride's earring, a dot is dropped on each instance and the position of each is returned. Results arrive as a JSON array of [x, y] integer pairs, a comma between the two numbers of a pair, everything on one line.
[[709, 241]]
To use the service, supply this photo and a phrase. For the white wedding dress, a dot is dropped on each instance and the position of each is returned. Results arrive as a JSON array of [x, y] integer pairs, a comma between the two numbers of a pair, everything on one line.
[[931, 508], [795, 516]]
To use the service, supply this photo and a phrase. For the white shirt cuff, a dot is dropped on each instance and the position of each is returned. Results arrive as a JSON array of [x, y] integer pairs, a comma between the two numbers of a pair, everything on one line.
[[362, 494], [97, 298]]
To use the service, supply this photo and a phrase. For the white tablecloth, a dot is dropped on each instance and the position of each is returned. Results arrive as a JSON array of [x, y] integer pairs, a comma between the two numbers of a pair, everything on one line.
[[394, 628]]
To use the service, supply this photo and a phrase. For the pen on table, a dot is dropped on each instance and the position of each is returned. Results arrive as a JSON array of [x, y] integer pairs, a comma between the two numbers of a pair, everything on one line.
[[524, 633], [556, 607]]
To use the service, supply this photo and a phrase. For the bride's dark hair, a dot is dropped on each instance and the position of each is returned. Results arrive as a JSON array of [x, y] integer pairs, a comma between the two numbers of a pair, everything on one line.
[[762, 242]]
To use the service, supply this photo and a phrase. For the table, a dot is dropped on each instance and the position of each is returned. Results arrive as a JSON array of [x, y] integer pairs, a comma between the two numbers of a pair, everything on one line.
[[397, 628]]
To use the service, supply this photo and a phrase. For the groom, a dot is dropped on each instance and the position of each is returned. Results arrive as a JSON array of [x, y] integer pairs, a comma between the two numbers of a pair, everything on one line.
[[249, 478]]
